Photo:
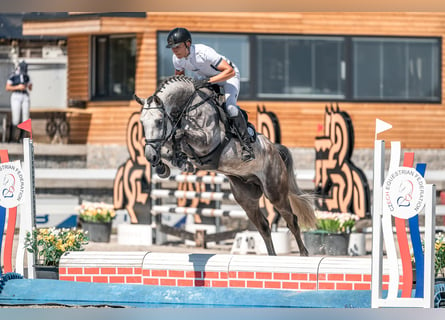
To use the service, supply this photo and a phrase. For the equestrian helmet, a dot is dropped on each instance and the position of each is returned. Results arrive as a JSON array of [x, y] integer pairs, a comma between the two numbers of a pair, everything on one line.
[[178, 36]]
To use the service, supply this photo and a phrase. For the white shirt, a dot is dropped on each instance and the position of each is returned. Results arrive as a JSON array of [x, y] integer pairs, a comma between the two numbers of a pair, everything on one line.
[[203, 61]]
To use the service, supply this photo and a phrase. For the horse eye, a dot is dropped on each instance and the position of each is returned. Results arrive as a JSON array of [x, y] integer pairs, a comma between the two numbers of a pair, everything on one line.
[[159, 123]]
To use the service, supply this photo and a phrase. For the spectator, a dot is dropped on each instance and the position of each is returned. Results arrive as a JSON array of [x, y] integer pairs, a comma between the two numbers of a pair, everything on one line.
[[19, 83]]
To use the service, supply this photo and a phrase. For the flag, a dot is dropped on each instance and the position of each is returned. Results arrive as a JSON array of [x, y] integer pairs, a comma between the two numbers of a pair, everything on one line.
[[26, 125], [381, 126]]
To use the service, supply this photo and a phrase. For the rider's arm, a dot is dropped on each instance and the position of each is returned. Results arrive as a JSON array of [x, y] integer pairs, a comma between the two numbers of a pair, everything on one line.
[[226, 73]]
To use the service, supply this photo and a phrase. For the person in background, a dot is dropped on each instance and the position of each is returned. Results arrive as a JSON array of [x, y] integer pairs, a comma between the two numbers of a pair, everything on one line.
[[210, 67], [19, 84]]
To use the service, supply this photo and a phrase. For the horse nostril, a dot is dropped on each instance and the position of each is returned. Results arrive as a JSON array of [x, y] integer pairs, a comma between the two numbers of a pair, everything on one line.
[[151, 155], [160, 169]]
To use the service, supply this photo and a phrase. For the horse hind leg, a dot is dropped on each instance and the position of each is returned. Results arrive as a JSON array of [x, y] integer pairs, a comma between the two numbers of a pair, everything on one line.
[[277, 191], [247, 195], [297, 208], [291, 219]]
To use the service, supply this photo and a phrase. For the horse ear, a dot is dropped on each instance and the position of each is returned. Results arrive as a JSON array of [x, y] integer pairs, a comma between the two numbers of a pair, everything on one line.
[[157, 100], [139, 100]]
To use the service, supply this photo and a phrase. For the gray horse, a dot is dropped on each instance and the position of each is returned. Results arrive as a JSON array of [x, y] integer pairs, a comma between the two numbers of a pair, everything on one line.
[[185, 127]]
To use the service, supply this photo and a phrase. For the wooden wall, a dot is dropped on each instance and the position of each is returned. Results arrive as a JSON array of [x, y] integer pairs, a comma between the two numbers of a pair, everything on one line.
[[415, 125]]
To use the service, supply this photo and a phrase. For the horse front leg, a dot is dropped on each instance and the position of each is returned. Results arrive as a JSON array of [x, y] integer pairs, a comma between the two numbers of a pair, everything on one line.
[[247, 195]]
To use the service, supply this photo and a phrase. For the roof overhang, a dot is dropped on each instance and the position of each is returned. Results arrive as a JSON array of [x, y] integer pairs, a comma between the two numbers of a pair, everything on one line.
[[84, 24]]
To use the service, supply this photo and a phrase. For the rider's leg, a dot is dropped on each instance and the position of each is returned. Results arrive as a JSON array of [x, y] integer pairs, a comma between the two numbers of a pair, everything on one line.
[[231, 90], [241, 125], [237, 118]]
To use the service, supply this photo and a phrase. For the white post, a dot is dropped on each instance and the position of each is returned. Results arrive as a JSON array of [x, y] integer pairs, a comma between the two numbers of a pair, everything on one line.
[[377, 243], [27, 210], [429, 238]]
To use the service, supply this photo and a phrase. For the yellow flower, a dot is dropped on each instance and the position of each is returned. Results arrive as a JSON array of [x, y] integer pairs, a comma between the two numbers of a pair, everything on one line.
[[42, 243]]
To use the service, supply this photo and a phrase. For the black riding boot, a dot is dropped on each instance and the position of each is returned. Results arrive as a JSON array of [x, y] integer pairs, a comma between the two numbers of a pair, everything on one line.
[[13, 134], [241, 125]]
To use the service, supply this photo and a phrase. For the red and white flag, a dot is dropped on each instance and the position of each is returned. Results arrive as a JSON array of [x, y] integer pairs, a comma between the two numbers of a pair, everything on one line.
[[27, 126]]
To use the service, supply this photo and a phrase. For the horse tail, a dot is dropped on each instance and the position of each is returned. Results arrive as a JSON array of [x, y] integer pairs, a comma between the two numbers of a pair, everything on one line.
[[301, 202]]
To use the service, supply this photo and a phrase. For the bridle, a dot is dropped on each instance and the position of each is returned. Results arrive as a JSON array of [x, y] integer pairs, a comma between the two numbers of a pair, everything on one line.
[[157, 143]]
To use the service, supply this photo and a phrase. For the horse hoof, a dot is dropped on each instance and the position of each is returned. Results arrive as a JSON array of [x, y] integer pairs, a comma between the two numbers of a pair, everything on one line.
[[163, 171]]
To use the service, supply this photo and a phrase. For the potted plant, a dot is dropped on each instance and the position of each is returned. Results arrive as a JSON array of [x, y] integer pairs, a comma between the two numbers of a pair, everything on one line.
[[96, 218], [49, 244], [331, 234]]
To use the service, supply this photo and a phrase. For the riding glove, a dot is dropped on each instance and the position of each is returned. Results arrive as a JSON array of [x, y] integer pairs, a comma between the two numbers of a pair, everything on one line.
[[203, 83]]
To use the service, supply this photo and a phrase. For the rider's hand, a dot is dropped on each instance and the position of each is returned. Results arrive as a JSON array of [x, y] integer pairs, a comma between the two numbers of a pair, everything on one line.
[[203, 83]]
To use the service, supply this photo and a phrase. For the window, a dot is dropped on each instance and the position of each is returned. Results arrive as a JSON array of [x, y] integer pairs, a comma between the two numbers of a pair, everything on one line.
[[300, 67], [396, 69], [233, 47], [114, 65], [339, 68]]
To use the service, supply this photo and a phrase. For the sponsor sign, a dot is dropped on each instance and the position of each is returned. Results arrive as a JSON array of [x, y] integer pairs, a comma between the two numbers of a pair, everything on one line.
[[403, 193], [12, 185]]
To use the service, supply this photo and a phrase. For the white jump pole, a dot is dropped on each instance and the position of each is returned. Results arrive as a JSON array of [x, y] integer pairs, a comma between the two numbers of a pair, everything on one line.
[[377, 234]]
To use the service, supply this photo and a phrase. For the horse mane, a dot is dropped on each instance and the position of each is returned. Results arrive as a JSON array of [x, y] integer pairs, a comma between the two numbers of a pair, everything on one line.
[[173, 79]]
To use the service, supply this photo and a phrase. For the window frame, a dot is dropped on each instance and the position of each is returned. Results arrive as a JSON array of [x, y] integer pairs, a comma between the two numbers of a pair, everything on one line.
[[93, 71], [301, 96], [387, 99]]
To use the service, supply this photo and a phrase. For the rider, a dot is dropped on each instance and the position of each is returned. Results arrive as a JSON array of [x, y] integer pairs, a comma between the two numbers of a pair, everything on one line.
[[210, 67]]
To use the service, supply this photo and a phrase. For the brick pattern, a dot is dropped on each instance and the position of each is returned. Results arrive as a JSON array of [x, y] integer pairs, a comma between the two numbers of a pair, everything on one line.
[[102, 274], [233, 279], [223, 271]]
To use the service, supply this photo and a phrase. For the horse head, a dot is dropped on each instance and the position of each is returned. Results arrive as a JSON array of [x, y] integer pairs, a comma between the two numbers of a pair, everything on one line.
[[160, 115], [156, 126]]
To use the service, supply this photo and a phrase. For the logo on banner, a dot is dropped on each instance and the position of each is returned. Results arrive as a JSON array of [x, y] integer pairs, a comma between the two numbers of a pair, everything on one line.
[[12, 185], [403, 193]]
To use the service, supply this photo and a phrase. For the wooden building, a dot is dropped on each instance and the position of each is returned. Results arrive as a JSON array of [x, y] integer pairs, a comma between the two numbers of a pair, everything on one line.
[[374, 65]]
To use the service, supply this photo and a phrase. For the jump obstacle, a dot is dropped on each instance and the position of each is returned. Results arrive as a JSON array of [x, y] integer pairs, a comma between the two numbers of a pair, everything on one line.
[[210, 197], [187, 203], [143, 278]]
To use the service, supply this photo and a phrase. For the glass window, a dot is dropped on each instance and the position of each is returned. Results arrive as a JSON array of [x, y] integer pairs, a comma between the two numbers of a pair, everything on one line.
[[300, 67], [297, 67], [233, 47], [114, 67], [396, 69]]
